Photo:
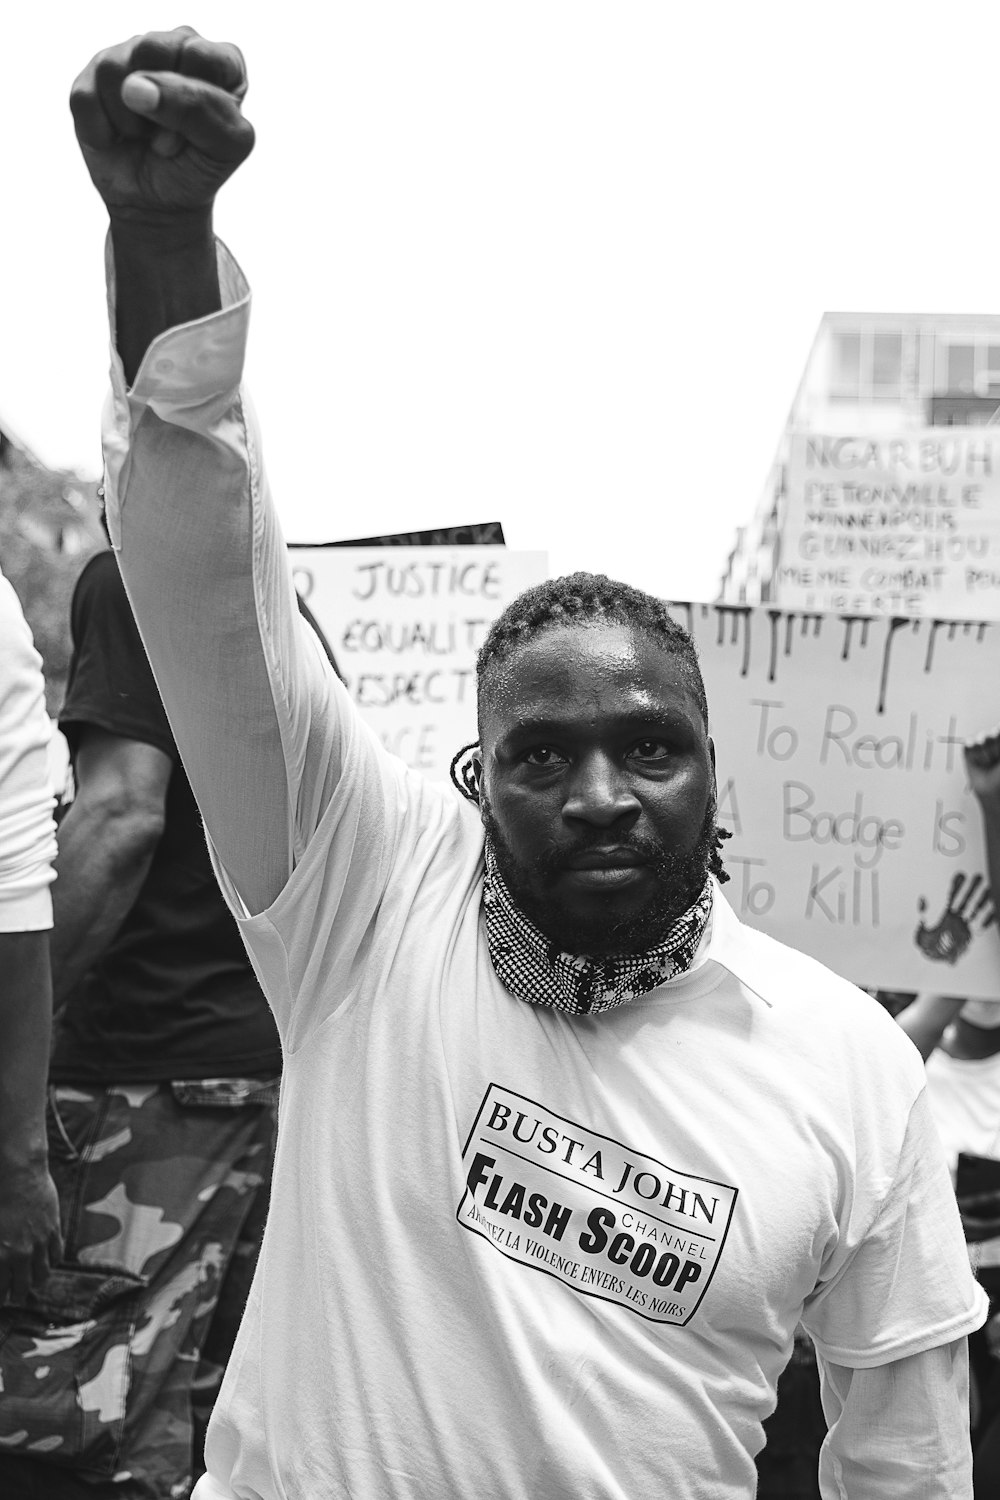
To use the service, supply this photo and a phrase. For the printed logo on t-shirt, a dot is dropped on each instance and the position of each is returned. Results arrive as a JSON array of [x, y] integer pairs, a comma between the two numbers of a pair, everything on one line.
[[608, 1221]]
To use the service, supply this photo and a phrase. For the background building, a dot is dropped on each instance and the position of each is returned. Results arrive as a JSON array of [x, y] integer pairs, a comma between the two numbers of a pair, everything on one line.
[[871, 373]]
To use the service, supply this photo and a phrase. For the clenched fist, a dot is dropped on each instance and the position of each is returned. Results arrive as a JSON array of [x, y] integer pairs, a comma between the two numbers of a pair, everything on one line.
[[160, 123]]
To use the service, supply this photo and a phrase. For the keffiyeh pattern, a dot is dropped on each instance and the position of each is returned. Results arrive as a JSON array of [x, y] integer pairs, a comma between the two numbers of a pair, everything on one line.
[[534, 970]]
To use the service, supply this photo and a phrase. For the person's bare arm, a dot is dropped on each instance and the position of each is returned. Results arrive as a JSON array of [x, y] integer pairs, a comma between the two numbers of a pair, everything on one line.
[[29, 1210], [982, 764], [106, 844], [926, 1018]]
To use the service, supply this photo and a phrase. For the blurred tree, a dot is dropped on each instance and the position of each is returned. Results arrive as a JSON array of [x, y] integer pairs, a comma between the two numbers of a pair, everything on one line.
[[49, 527]]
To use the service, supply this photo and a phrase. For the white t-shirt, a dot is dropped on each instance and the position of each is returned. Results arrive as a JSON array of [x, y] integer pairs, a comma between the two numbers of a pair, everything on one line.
[[521, 1254], [964, 1095], [27, 830], [511, 1253]]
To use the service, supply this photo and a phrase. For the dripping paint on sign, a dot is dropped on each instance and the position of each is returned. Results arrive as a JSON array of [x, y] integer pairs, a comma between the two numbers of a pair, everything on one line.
[[777, 617], [839, 751]]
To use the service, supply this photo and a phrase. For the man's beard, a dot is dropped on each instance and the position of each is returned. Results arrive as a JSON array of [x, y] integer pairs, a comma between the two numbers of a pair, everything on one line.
[[678, 882]]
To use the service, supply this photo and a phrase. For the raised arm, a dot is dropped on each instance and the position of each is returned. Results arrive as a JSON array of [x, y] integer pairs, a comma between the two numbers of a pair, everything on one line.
[[160, 126], [982, 762]]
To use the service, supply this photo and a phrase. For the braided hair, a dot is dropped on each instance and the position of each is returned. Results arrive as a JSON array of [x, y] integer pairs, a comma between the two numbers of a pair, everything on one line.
[[586, 599], [581, 598]]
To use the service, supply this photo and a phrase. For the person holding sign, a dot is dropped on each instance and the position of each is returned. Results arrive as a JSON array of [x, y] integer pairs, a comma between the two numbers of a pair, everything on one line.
[[960, 1042], [566, 1153]]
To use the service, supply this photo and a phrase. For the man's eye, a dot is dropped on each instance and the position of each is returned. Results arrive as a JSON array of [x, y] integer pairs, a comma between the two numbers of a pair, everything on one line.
[[543, 755], [650, 750]]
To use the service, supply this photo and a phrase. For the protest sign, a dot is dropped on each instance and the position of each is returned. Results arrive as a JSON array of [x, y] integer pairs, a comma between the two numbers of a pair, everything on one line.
[[895, 524], [839, 755], [473, 534], [404, 624]]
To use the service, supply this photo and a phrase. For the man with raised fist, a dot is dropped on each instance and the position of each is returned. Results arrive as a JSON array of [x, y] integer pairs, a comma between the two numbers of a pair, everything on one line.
[[566, 1153]]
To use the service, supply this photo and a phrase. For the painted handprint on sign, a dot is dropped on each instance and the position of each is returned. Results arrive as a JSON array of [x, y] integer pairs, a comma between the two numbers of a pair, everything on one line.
[[967, 904]]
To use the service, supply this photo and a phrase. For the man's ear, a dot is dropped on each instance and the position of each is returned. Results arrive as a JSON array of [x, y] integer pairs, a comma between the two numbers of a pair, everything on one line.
[[477, 777]]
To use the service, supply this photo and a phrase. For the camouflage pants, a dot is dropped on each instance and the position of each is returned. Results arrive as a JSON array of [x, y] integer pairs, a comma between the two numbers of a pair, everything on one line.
[[108, 1377]]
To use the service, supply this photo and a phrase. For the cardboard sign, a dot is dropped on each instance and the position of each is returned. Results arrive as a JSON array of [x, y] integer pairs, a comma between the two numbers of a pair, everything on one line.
[[475, 534], [404, 624], [839, 756], [898, 524]]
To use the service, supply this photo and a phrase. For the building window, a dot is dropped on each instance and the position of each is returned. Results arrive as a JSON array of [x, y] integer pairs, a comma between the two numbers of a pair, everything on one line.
[[991, 370], [846, 364], [869, 363], [968, 368], [961, 369], [887, 364]]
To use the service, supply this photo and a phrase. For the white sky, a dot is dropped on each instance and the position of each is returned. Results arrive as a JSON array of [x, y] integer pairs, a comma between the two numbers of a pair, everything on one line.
[[550, 261]]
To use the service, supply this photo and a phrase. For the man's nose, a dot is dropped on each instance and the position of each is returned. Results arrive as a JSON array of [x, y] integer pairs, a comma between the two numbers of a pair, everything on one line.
[[599, 793]]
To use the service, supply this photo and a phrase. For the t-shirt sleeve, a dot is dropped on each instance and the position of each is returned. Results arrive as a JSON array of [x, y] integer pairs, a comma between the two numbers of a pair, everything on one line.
[[907, 1285], [385, 836], [111, 684], [27, 829]]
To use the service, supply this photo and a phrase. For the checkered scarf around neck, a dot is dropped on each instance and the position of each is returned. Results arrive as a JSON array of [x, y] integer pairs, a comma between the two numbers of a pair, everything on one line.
[[533, 969]]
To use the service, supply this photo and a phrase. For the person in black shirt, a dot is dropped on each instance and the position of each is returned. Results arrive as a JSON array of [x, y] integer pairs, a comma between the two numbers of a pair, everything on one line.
[[163, 1083]]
